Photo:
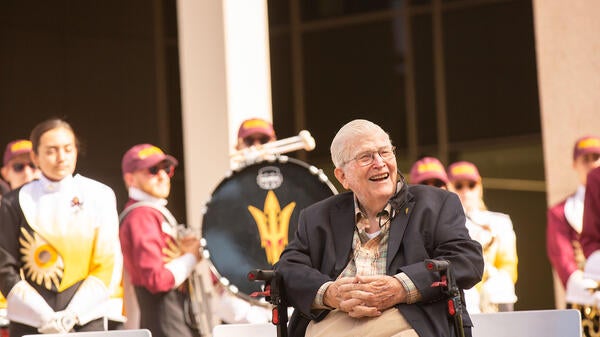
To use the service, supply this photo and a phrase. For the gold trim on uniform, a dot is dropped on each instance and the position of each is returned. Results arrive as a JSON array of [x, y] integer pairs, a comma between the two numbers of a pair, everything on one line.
[[171, 252]]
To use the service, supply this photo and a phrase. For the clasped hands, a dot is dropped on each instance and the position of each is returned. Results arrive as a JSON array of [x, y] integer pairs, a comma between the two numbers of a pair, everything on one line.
[[61, 322], [364, 296]]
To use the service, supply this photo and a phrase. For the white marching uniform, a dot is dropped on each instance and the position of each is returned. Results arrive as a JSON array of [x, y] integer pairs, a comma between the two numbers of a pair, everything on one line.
[[494, 231], [59, 252]]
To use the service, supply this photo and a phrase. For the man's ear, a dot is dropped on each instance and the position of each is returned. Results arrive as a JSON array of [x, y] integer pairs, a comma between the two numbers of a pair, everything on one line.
[[4, 171], [128, 179], [340, 175], [240, 144]]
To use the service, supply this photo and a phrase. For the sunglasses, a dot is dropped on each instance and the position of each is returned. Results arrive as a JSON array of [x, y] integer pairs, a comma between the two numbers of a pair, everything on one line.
[[155, 170], [591, 157], [434, 182], [20, 167], [471, 185], [251, 140]]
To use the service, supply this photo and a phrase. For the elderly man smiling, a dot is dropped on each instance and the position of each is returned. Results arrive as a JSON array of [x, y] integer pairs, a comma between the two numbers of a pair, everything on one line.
[[356, 265]]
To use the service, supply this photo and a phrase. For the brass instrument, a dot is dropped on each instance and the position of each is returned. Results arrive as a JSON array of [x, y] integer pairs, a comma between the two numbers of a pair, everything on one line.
[[268, 151], [590, 318], [200, 296], [590, 313]]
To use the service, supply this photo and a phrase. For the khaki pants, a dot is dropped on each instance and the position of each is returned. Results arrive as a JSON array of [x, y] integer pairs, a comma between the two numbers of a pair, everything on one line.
[[391, 323]]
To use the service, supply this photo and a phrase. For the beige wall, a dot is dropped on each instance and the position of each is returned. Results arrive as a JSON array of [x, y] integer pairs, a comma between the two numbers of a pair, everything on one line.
[[568, 63]]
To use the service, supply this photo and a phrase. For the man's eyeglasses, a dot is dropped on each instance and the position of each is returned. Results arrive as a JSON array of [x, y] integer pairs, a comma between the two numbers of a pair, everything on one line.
[[20, 167], [460, 185], [155, 170], [367, 158], [434, 182], [251, 140]]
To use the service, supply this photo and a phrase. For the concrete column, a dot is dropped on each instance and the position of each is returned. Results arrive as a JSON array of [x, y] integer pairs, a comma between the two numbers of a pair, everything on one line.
[[567, 48], [225, 78], [248, 62]]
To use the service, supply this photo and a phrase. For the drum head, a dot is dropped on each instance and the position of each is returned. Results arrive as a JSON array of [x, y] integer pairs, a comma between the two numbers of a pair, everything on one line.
[[254, 213]]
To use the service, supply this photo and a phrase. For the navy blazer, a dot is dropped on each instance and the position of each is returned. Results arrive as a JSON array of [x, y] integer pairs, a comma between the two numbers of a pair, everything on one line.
[[429, 223]]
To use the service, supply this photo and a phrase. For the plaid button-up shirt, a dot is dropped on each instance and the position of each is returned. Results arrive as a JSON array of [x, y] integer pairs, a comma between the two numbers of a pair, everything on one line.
[[369, 253]]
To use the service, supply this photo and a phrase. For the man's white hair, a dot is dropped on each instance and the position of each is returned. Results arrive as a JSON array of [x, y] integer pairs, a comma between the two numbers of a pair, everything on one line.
[[341, 149]]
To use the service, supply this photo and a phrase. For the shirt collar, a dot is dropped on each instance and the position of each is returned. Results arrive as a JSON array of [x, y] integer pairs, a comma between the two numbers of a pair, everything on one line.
[[139, 195], [50, 186], [387, 209]]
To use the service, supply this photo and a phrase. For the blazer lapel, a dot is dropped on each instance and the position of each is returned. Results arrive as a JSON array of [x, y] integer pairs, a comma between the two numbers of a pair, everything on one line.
[[342, 220], [397, 228]]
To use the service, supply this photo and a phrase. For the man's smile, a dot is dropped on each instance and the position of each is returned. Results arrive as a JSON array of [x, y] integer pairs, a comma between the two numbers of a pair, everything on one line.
[[380, 177]]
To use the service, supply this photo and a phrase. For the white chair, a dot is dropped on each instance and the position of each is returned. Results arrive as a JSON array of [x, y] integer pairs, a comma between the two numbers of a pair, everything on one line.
[[111, 333], [245, 330], [531, 323]]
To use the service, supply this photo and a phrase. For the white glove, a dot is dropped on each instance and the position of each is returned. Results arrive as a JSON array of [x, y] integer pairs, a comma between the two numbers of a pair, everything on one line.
[[89, 300], [51, 326], [25, 305], [579, 289], [499, 288], [62, 322], [592, 267]]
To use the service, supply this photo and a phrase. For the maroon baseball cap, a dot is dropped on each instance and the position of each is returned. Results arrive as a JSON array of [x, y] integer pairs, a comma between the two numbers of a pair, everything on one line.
[[463, 170], [427, 168], [143, 156], [256, 125], [15, 148], [585, 145]]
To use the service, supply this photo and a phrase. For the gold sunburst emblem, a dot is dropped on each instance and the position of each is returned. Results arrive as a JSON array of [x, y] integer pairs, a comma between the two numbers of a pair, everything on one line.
[[42, 263]]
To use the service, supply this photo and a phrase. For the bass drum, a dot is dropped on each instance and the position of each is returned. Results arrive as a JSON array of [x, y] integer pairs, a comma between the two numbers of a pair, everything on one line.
[[253, 214]]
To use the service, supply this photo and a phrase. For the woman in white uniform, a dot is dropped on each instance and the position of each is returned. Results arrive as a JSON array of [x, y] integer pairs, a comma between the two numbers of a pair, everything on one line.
[[59, 243], [494, 231]]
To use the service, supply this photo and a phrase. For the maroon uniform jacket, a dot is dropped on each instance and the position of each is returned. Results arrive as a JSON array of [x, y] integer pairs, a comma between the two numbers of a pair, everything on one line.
[[146, 249], [561, 240], [590, 234]]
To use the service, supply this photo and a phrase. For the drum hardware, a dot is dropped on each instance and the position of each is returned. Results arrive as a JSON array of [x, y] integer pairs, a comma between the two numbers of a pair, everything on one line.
[[268, 151]]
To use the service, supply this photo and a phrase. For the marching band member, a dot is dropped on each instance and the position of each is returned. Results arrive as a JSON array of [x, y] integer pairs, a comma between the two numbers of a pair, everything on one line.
[[158, 258], [429, 171], [590, 241], [494, 231], [17, 170], [564, 230], [254, 132], [59, 241]]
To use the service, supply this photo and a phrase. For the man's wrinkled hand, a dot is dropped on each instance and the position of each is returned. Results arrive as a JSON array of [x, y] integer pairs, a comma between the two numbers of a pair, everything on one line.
[[356, 308], [380, 292], [332, 296]]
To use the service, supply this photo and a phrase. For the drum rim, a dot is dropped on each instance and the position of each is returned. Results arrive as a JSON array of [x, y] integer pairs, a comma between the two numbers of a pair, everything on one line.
[[228, 287]]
